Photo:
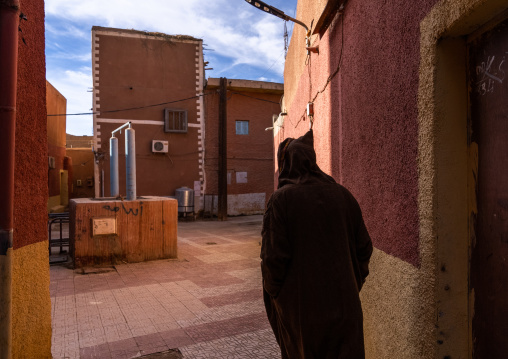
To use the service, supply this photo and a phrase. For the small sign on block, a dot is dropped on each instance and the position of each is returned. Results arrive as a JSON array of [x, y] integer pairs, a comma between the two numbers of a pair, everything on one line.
[[103, 226]]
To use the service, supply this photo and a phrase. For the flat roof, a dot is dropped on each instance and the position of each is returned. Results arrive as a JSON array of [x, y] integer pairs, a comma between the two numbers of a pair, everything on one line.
[[248, 85], [160, 35]]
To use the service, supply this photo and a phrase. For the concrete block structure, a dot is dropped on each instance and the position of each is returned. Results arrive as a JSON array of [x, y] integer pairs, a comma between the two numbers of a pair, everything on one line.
[[403, 98]]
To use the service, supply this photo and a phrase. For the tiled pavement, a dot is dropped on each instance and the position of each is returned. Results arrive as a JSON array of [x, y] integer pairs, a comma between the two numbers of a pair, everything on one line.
[[207, 303]]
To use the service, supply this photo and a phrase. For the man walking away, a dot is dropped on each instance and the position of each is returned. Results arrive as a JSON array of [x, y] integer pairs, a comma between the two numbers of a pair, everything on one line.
[[315, 255]]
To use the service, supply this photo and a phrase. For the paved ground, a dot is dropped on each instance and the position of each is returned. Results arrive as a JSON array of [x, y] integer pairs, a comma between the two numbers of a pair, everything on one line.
[[206, 304]]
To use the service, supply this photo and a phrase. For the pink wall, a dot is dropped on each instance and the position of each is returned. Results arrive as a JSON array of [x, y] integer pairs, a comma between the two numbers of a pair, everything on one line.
[[366, 118]]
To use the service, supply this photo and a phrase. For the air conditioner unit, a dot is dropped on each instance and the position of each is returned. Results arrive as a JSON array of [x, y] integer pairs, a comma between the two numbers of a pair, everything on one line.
[[159, 146], [51, 162]]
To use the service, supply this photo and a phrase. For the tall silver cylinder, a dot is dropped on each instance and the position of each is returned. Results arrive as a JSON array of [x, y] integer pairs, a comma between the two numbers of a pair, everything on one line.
[[130, 158], [113, 167]]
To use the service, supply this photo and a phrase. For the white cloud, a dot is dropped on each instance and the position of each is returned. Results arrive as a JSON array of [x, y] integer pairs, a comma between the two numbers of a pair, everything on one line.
[[232, 28], [229, 27], [67, 30]]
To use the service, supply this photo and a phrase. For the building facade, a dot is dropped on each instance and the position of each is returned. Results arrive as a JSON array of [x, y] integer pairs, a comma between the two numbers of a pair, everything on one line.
[[80, 151], [399, 92], [59, 181], [250, 109], [154, 81]]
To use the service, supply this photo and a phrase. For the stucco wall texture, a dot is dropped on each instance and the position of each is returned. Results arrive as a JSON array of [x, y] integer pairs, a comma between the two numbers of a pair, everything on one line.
[[31, 306], [364, 85], [370, 143], [391, 125]]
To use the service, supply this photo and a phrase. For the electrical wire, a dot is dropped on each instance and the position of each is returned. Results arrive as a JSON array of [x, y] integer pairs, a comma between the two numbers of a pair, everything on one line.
[[131, 108], [255, 98], [268, 69], [155, 105], [332, 75]]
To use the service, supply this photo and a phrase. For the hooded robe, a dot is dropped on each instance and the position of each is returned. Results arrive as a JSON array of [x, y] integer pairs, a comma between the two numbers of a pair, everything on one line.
[[315, 254]]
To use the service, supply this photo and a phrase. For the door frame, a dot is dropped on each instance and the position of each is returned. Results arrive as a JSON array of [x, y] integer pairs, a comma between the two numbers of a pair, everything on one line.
[[447, 165]]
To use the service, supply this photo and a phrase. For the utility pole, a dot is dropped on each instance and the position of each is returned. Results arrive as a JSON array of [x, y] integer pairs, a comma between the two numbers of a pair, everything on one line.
[[222, 205]]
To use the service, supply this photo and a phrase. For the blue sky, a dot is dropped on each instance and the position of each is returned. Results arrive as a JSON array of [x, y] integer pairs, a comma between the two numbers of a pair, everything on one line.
[[242, 42]]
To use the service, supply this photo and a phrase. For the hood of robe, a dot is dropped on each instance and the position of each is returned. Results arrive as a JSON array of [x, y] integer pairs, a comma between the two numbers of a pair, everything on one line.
[[296, 159]]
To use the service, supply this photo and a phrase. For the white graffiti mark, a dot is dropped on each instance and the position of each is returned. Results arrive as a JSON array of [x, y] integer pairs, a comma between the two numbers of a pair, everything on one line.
[[488, 75]]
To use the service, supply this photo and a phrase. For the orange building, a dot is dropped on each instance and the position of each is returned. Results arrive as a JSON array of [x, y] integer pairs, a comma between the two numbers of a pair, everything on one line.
[[59, 182]]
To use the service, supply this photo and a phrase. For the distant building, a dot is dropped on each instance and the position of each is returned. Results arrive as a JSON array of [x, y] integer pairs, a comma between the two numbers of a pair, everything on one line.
[[73, 141], [59, 182], [136, 69], [80, 150], [157, 83], [250, 109]]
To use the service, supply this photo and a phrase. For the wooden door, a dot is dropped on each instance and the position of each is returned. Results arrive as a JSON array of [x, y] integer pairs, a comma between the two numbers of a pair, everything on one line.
[[488, 86]]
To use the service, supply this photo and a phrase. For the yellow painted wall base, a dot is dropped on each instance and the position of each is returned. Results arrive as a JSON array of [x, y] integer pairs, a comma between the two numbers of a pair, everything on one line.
[[53, 201], [397, 310], [5, 305], [31, 303]]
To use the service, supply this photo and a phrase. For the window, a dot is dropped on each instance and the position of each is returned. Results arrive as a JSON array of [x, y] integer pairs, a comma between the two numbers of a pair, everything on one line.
[[175, 120], [242, 127]]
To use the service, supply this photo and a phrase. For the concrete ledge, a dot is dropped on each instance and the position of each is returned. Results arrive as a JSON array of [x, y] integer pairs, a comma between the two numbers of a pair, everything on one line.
[[248, 85]]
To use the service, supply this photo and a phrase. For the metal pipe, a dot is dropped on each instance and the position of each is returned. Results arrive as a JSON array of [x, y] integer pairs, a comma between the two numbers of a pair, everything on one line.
[[113, 167], [102, 182], [9, 20], [120, 128], [130, 160]]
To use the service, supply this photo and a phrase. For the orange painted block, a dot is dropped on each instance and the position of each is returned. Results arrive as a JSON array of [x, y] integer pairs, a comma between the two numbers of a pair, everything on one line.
[[108, 231]]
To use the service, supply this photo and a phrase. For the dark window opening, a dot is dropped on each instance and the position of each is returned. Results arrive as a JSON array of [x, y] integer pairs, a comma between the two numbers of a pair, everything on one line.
[[175, 121]]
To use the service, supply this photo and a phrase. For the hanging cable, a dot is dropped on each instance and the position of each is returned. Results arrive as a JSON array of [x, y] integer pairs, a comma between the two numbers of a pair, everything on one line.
[[332, 75], [286, 42], [131, 108]]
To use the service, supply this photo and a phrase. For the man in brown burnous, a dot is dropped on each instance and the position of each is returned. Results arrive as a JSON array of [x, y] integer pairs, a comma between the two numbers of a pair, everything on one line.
[[315, 255]]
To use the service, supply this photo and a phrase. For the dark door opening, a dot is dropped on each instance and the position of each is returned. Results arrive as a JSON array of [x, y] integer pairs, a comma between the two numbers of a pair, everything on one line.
[[488, 96]]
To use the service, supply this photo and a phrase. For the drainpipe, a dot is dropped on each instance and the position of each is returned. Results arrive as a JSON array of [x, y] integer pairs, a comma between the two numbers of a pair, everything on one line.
[[9, 21]]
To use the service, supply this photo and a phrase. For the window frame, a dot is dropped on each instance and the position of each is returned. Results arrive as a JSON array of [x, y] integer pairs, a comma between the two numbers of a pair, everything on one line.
[[173, 129], [241, 122]]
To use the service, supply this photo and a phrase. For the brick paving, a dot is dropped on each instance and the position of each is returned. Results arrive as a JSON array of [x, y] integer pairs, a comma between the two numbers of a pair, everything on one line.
[[207, 303]]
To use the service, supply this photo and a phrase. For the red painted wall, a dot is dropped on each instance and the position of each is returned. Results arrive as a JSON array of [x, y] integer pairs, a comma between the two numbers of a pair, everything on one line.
[[31, 163], [366, 118]]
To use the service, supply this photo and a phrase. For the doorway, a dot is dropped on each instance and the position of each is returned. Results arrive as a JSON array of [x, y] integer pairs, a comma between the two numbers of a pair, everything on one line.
[[488, 132]]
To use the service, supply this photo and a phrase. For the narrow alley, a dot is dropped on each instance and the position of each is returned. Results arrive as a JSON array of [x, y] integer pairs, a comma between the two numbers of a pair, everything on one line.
[[207, 303]]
